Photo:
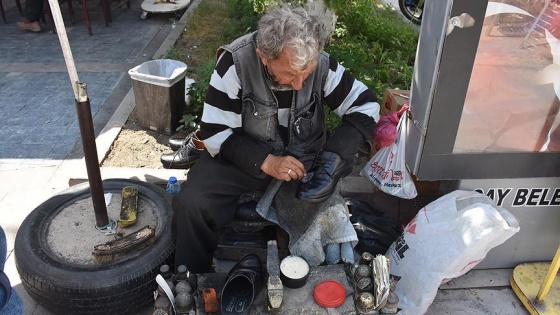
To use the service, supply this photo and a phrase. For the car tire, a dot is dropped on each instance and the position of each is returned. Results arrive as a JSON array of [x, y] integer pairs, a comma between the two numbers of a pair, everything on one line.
[[121, 286]]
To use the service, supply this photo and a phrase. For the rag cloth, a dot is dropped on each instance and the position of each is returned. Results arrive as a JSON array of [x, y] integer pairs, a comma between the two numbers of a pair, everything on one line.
[[319, 232]]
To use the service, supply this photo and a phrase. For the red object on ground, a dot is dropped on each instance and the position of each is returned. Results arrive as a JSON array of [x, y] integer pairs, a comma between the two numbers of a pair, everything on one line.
[[329, 294], [386, 128], [211, 301]]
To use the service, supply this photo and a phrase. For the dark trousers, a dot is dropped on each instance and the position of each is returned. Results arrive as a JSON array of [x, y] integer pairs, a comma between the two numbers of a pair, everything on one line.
[[206, 203], [33, 10]]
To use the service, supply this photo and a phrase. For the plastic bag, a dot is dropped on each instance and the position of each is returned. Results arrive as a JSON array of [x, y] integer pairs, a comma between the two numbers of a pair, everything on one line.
[[376, 229], [386, 128], [446, 239], [161, 72], [387, 168]]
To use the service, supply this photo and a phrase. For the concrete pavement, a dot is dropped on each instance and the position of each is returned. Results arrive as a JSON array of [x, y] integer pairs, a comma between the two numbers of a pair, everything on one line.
[[40, 147]]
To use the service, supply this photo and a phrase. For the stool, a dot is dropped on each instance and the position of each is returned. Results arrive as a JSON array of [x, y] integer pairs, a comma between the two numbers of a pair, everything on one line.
[[532, 292], [18, 4], [249, 233], [106, 13], [550, 276], [48, 13]]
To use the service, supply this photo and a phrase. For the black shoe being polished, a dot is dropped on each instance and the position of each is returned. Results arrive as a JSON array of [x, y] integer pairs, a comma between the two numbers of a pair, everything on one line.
[[323, 177], [185, 157], [177, 143], [244, 282]]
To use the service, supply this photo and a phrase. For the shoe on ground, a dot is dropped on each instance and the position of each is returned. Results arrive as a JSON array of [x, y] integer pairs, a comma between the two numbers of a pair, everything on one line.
[[243, 283], [185, 157], [323, 177], [27, 25], [176, 143]]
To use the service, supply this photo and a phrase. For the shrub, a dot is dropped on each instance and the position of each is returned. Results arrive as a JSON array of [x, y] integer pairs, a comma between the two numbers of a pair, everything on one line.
[[370, 40]]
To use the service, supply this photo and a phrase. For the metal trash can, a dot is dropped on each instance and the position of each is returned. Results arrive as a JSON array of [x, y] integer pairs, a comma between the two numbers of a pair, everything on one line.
[[159, 93]]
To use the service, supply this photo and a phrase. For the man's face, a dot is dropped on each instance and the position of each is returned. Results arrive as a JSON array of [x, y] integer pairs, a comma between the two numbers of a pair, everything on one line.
[[282, 73]]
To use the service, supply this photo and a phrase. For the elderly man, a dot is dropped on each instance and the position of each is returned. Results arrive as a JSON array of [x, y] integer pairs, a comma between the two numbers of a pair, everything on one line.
[[263, 118]]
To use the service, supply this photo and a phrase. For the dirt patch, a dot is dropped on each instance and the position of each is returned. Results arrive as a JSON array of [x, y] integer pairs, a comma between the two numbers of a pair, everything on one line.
[[137, 147]]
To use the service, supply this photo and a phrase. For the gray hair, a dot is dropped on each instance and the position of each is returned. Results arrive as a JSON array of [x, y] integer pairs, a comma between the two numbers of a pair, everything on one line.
[[301, 30]]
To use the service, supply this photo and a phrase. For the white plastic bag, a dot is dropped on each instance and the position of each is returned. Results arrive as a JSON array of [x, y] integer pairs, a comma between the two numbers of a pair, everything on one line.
[[387, 168], [160, 72], [446, 239]]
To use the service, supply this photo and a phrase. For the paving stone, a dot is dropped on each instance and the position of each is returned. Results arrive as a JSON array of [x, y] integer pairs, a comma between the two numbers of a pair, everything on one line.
[[37, 106]]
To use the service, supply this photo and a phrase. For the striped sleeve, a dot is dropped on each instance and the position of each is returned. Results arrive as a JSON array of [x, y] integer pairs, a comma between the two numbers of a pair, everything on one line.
[[345, 95], [221, 121], [222, 106]]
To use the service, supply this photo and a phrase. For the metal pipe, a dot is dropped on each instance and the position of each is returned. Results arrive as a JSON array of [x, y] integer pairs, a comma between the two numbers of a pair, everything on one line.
[[87, 133]]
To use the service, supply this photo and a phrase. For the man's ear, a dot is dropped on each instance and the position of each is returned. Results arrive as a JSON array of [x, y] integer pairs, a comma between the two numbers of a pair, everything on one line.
[[262, 57]]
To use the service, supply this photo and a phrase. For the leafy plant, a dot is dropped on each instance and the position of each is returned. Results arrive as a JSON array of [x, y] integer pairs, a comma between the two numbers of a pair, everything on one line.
[[245, 17], [197, 94], [172, 53]]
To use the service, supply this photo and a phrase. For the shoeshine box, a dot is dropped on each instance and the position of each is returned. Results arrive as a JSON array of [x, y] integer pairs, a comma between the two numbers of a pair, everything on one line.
[[394, 100]]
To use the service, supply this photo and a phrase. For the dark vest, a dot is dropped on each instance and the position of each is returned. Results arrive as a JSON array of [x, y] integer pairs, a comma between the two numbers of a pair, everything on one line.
[[306, 127]]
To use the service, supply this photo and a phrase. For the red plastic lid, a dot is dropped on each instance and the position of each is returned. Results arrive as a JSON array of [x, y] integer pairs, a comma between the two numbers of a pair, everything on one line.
[[329, 294]]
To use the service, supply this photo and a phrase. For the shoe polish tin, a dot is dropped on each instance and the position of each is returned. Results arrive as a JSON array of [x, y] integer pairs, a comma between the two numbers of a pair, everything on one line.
[[294, 271]]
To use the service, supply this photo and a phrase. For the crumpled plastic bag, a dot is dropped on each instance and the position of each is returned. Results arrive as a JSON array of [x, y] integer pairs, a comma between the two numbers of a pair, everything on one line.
[[445, 240], [386, 129]]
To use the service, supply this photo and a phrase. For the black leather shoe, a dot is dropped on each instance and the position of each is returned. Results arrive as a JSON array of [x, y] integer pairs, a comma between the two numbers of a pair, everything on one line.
[[176, 143], [243, 284], [323, 177], [185, 157]]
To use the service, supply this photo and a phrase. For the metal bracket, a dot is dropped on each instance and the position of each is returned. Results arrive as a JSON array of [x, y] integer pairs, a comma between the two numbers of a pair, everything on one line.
[[462, 21], [420, 128]]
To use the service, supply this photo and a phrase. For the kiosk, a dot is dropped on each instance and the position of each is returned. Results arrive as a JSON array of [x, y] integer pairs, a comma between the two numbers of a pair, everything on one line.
[[485, 116]]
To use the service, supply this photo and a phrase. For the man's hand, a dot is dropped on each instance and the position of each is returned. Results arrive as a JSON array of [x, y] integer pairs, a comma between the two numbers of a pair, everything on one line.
[[284, 168]]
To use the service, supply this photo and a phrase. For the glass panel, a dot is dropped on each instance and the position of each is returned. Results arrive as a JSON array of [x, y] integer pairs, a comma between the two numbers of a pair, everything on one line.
[[512, 103]]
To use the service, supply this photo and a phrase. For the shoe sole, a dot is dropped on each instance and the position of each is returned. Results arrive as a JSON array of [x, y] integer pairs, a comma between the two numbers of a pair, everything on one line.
[[237, 299], [175, 166]]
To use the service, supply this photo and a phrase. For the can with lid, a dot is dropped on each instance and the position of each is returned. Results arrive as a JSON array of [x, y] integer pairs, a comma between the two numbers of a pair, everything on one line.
[[329, 294]]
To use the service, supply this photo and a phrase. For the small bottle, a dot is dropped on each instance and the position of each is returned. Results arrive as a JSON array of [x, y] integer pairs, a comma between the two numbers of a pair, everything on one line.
[[366, 258], [184, 274], [162, 305], [364, 285], [184, 303], [183, 286], [173, 186], [365, 302], [362, 271], [167, 275]]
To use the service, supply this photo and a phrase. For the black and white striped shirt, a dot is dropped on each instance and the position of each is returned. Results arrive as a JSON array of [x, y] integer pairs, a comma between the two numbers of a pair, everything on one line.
[[343, 94]]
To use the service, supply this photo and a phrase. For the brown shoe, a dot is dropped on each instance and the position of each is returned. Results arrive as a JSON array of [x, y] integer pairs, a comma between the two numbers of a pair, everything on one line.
[[26, 25]]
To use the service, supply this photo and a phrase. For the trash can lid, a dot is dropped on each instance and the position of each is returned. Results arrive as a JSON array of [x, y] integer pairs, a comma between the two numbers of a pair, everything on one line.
[[329, 294]]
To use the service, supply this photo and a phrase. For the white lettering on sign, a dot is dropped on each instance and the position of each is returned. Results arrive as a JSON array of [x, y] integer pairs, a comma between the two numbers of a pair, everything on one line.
[[525, 197]]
